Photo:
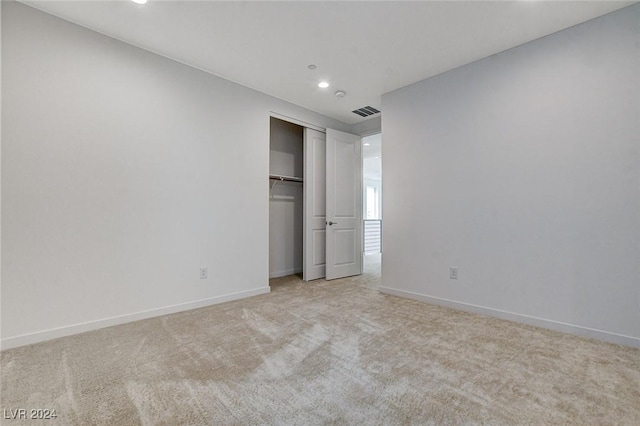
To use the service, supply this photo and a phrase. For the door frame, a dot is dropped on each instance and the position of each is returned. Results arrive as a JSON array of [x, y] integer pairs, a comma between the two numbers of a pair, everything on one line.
[[296, 121], [322, 129]]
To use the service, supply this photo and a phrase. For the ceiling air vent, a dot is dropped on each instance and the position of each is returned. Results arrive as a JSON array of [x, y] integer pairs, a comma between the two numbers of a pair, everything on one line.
[[365, 111]]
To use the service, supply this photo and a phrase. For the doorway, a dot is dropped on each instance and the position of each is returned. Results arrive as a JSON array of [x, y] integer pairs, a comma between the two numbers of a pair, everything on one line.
[[372, 203]]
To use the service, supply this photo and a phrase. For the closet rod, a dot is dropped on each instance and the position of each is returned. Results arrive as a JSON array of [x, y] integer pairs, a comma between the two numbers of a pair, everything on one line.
[[286, 178]]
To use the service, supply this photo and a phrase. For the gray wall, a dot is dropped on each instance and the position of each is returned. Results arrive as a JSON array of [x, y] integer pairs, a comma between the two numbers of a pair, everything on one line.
[[523, 170], [123, 172]]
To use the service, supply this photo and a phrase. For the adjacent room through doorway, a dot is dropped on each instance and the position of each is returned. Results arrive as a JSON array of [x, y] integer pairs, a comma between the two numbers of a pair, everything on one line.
[[372, 202]]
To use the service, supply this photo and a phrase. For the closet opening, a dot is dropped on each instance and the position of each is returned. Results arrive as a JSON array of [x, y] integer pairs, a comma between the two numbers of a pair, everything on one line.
[[315, 203], [286, 191]]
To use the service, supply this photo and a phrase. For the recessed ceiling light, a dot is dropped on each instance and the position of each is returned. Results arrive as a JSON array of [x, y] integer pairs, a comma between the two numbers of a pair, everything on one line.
[[323, 85], [139, 1], [341, 94], [312, 67], [367, 144]]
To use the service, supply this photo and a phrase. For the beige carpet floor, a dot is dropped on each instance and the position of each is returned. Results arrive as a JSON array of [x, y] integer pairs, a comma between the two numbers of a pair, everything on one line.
[[333, 352]]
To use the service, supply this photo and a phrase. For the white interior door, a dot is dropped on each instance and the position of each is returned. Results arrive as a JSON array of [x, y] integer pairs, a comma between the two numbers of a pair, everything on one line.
[[314, 244], [343, 204]]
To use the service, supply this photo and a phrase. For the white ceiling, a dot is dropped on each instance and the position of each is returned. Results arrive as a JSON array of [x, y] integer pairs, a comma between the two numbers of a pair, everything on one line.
[[365, 48]]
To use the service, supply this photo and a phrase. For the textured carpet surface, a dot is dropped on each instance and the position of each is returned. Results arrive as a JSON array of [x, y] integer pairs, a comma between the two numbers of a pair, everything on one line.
[[333, 352]]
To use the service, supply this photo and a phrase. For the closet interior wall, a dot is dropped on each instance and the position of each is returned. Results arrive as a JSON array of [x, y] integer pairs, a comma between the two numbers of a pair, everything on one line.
[[286, 157]]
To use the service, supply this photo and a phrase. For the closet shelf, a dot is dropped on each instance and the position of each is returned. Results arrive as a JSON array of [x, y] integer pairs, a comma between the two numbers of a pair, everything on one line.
[[285, 178]]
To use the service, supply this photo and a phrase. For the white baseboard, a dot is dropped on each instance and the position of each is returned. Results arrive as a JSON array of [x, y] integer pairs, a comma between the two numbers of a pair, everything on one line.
[[54, 333], [511, 316], [284, 273]]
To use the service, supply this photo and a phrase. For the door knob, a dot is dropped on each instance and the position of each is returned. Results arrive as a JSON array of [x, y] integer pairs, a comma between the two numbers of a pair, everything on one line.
[[332, 223]]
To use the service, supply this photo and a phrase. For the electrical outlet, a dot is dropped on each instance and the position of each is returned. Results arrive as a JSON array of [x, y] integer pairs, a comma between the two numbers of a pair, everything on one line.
[[204, 273], [453, 273]]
